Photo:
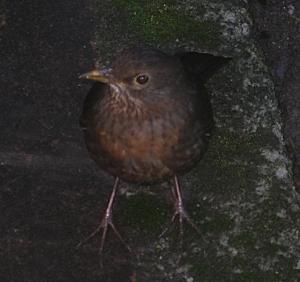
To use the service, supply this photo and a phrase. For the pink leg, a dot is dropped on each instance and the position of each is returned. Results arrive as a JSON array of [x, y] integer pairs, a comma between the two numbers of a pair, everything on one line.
[[107, 221], [180, 211]]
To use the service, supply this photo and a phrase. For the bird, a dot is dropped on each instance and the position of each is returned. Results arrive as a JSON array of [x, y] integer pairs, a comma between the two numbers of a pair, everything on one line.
[[148, 119]]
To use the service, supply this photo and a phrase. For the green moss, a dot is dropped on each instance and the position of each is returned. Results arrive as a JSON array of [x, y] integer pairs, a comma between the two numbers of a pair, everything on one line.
[[220, 224], [256, 276], [245, 239], [159, 22], [231, 161], [144, 212], [2, 14]]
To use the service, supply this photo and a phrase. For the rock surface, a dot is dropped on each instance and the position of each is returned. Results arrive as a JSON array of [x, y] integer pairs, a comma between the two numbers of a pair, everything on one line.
[[241, 194], [277, 29]]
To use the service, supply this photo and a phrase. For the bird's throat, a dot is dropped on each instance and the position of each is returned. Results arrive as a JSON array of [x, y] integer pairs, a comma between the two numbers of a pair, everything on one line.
[[120, 102]]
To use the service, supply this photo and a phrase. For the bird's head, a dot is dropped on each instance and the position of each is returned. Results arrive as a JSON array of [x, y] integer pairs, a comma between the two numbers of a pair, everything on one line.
[[141, 73]]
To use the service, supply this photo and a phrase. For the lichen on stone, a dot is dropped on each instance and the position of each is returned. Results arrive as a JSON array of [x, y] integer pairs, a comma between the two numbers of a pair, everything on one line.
[[242, 194]]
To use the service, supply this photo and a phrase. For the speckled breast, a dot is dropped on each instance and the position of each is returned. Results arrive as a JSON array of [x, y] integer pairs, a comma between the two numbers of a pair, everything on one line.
[[148, 149]]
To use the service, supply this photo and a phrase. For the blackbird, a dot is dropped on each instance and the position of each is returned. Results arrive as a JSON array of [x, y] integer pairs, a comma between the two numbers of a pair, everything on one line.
[[148, 119]]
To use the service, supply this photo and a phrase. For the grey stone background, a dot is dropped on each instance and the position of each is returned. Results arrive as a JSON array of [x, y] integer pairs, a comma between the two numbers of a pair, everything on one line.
[[241, 194]]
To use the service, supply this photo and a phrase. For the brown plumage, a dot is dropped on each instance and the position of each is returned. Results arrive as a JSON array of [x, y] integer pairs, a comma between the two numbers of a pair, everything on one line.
[[148, 119]]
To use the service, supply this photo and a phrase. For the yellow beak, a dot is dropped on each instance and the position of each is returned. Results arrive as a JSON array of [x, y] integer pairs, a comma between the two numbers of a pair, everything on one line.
[[97, 75]]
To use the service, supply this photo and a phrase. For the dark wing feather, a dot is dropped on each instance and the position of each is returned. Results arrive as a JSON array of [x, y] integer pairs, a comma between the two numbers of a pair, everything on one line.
[[199, 68]]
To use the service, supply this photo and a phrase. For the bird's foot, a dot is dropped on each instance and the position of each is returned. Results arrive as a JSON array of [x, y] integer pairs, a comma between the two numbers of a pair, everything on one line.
[[104, 225], [180, 213], [106, 222]]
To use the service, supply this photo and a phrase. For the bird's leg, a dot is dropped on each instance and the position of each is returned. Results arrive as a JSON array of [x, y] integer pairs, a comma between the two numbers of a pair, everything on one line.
[[107, 221], [180, 210]]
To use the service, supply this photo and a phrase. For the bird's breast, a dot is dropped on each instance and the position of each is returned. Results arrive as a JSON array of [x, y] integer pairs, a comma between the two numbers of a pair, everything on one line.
[[142, 146], [147, 140]]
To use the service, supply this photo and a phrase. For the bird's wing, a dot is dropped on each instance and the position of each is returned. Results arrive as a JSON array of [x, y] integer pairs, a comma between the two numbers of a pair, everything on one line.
[[199, 68], [93, 97]]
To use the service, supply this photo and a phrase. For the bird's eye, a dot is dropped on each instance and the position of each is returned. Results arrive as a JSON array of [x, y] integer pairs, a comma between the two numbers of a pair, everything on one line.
[[142, 79]]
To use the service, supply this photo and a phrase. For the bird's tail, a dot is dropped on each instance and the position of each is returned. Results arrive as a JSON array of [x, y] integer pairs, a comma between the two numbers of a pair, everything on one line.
[[201, 65]]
